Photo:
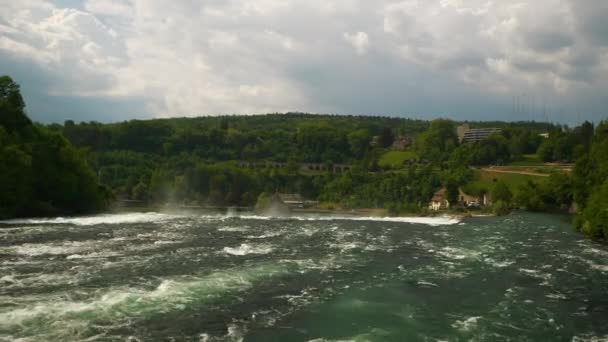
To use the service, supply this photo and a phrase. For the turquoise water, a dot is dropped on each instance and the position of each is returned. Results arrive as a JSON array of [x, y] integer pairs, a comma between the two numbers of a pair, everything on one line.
[[153, 276]]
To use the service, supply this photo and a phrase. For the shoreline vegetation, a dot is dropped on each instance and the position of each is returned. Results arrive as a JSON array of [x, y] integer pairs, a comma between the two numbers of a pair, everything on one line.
[[332, 164]]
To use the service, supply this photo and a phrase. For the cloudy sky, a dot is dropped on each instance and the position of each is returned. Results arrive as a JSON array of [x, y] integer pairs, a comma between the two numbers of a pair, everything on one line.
[[110, 60]]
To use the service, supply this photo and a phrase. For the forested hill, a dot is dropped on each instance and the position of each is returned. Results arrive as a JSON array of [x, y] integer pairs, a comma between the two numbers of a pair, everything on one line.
[[196, 160], [277, 137], [41, 174]]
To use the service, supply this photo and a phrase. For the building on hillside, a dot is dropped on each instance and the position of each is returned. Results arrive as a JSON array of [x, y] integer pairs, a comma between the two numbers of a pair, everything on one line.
[[544, 135], [461, 130], [466, 134], [402, 143], [439, 200], [486, 201], [293, 201], [469, 201]]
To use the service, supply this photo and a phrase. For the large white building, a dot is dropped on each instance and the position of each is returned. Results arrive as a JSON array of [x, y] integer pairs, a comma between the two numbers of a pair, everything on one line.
[[466, 134]]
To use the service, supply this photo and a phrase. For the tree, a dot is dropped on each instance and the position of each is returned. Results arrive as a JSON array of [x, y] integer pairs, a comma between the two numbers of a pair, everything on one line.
[[16, 173], [140, 192], [560, 189], [293, 167], [438, 142], [501, 192], [562, 145], [528, 196], [500, 208], [593, 221], [585, 134], [386, 137], [41, 173], [12, 106], [452, 192], [359, 142], [545, 151], [590, 185]]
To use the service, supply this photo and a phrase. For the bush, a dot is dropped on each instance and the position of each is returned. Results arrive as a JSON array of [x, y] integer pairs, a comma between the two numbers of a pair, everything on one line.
[[501, 192], [594, 219], [528, 196], [500, 208]]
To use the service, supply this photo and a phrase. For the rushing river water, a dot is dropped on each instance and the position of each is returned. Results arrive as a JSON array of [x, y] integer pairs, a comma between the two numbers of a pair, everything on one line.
[[144, 277]]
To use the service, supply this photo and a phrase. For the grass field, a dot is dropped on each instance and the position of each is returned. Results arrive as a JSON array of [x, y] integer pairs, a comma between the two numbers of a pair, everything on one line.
[[395, 159], [531, 163], [485, 181], [528, 160]]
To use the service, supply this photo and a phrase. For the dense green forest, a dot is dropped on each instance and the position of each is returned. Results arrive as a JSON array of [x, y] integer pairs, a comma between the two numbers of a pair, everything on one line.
[[200, 160], [40, 172], [233, 160]]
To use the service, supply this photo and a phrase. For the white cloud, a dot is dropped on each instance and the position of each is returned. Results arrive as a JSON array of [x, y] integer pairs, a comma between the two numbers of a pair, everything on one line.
[[479, 40], [119, 8], [241, 56], [359, 40], [78, 49]]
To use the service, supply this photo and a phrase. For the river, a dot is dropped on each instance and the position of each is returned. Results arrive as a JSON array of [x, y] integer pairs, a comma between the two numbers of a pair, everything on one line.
[[153, 276]]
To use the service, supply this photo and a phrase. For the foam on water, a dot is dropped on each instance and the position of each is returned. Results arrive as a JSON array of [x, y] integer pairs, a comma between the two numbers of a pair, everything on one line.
[[246, 249], [20, 281], [98, 219], [119, 303], [160, 217], [37, 249], [235, 333], [431, 221], [499, 264], [7, 279], [265, 235], [546, 277], [556, 296], [590, 338], [598, 267], [93, 255], [375, 334], [165, 242], [233, 229], [426, 283], [458, 253], [467, 324]]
